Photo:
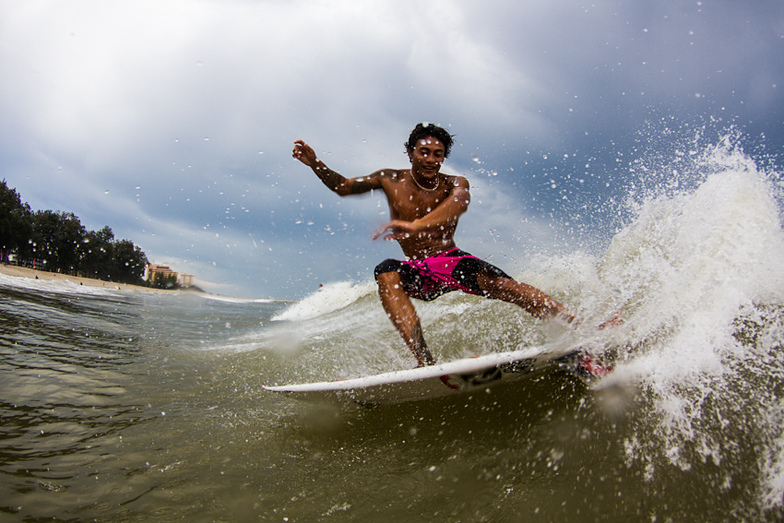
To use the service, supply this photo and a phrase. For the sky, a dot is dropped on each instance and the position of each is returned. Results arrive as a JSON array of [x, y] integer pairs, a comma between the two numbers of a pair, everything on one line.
[[172, 122]]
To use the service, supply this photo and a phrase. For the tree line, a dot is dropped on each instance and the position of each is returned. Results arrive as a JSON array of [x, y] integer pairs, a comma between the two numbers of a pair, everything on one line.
[[58, 242]]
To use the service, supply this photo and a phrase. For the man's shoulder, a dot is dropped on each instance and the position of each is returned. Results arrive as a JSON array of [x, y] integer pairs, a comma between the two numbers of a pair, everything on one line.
[[456, 180], [375, 180]]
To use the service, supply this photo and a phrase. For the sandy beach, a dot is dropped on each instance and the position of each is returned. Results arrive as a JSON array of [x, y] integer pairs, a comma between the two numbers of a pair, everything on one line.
[[23, 272]]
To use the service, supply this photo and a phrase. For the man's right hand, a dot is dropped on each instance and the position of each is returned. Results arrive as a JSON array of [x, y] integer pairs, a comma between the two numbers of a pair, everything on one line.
[[304, 153]]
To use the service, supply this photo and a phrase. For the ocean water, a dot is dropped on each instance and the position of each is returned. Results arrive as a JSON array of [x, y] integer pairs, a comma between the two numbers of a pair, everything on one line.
[[128, 406]]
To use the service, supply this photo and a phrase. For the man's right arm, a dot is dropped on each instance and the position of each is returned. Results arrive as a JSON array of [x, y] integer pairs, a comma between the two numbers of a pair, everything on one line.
[[334, 181]]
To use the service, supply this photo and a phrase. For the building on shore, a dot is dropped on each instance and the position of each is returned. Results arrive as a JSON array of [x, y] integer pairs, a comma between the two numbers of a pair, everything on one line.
[[163, 275]]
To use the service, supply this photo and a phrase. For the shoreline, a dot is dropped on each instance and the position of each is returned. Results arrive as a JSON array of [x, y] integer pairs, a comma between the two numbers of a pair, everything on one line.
[[24, 272], [33, 274]]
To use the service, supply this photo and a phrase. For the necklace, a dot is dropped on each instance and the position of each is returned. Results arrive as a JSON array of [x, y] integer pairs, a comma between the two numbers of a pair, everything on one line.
[[420, 185]]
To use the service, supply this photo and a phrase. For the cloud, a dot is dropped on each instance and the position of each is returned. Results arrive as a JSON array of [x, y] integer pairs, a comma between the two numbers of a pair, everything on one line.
[[173, 122]]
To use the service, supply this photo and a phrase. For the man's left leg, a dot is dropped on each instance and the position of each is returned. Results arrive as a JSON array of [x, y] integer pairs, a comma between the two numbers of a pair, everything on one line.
[[529, 298]]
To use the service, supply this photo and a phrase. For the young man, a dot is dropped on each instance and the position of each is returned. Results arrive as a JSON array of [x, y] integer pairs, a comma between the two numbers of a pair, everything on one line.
[[424, 207]]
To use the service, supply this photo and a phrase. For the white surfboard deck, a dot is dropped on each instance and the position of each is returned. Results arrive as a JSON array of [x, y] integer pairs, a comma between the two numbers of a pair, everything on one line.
[[444, 379]]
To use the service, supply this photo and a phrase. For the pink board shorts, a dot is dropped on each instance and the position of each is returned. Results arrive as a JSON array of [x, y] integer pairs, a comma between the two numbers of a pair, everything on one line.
[[429, 278]]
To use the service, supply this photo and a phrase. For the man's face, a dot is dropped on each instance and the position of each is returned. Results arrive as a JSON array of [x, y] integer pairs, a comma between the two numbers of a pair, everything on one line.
[[427, 156]]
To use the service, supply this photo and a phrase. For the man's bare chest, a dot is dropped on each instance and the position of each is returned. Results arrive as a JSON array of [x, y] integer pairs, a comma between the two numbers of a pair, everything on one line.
[[414, 206]]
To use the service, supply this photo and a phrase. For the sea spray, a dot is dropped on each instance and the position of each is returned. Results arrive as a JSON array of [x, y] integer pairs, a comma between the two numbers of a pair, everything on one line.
[[700, 269]]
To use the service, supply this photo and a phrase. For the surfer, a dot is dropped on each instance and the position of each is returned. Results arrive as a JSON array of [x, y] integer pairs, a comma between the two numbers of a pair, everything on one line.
[[424, 207]]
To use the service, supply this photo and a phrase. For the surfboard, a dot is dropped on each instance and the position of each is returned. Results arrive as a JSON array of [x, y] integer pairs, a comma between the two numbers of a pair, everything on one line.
[[449, 378]]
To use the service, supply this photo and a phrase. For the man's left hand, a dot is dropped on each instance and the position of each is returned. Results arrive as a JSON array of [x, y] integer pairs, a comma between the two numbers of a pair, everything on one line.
[[395, 230]]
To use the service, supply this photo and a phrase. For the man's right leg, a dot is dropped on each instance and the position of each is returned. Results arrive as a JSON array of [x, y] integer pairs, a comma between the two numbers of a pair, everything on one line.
[[401, 311]]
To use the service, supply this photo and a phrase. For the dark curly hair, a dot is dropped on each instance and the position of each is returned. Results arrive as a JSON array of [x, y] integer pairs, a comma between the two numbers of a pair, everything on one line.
[[423, 130]]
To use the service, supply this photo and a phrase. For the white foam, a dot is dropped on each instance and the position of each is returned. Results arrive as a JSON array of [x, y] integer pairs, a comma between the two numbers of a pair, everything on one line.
[[689, 267], [229, 299], [329, 298]]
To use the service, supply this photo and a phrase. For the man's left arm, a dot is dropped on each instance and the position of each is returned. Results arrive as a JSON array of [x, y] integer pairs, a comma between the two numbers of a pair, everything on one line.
[[443, 217], [448, 212]]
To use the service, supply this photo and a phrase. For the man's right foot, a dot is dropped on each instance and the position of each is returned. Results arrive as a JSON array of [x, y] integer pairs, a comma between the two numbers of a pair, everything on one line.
[[615, 321]]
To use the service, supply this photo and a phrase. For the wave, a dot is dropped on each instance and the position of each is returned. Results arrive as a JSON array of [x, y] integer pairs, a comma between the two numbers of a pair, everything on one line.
[[229, 299], [329, 298], [700, 275]]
